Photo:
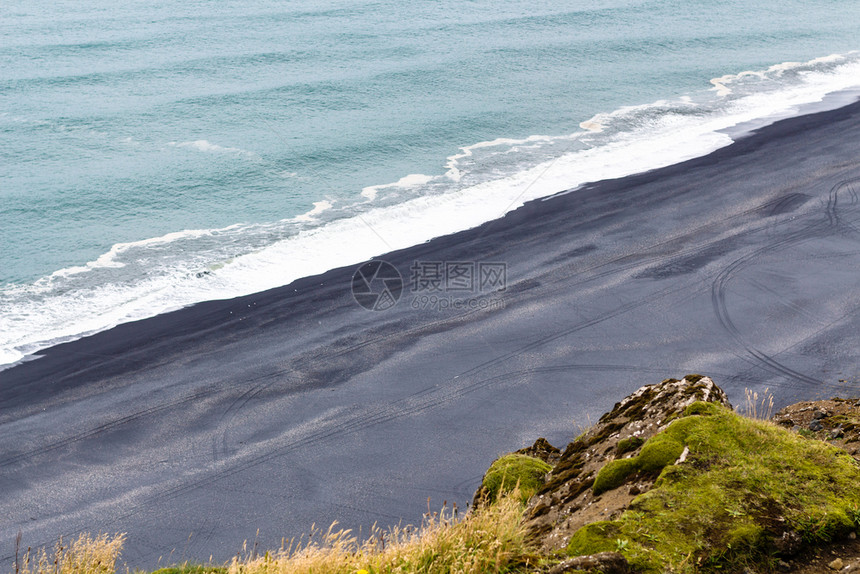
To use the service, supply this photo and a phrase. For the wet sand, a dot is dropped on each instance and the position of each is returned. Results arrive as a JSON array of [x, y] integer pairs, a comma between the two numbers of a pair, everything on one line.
[[192, 430]]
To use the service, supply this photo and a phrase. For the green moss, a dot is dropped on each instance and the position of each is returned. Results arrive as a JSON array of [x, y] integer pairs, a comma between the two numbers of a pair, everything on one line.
[[694, 378], [613, 475], [628, 444], [659, 452], [593, 538], [744, 483], [703, 408], [746, 537], [512, 469]]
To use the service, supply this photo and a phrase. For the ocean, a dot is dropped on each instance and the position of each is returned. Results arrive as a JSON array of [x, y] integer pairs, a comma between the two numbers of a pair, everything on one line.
[[154, 155]]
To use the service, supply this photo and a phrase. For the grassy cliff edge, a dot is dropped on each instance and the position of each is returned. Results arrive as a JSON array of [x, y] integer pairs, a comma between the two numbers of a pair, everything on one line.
[[671, 480]]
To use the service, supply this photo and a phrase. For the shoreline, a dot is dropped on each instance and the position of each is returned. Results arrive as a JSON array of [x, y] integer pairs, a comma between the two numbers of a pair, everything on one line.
[[688, 267], [367, 233], [833, 103]]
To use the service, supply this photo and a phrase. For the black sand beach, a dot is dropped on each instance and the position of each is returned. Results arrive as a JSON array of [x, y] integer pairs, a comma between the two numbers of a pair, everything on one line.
[[192, 430]]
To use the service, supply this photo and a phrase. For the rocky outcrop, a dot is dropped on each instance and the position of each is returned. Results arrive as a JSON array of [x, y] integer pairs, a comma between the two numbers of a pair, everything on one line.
[[835, 420], [751, 496], [542, 450], [566, 501]]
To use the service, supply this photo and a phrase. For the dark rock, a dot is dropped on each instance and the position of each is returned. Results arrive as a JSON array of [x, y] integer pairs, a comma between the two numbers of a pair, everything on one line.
[[818, 415], [634, 490], [788, 544], [543, 450], [605, 562], [815, 425]]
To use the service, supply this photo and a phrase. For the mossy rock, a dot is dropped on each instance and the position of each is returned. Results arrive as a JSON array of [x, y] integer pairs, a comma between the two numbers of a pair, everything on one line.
[[744, 483], [593, 538], [512, 469], [659, 452], [704, 409], [613, 475], [628, 444]]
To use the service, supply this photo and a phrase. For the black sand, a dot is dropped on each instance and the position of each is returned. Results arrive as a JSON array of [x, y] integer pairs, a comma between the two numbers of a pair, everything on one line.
[[192, 430]]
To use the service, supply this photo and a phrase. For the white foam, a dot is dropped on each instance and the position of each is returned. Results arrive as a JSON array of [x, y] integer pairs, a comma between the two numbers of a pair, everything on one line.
[[10, 356], [453, 167], [593, 125], [110, 259], [411, 180], [722, 84], [631, 140], [319, 207], [207, 147]]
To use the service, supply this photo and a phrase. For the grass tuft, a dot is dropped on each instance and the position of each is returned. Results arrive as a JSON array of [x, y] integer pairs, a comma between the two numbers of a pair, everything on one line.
[[490, 539], [758, 408], [82, 555]]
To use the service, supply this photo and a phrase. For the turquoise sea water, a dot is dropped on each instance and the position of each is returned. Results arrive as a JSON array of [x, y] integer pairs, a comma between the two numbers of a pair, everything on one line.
[[157, 154]]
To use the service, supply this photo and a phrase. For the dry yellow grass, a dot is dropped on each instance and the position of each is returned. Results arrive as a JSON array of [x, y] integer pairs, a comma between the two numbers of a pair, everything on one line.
[[82, 555], [755, 408], [490, 539]]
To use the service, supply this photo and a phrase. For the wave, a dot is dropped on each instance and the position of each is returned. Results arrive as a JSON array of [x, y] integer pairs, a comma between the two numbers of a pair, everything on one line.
[[480, 182], [724, 84], [207, 147]]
